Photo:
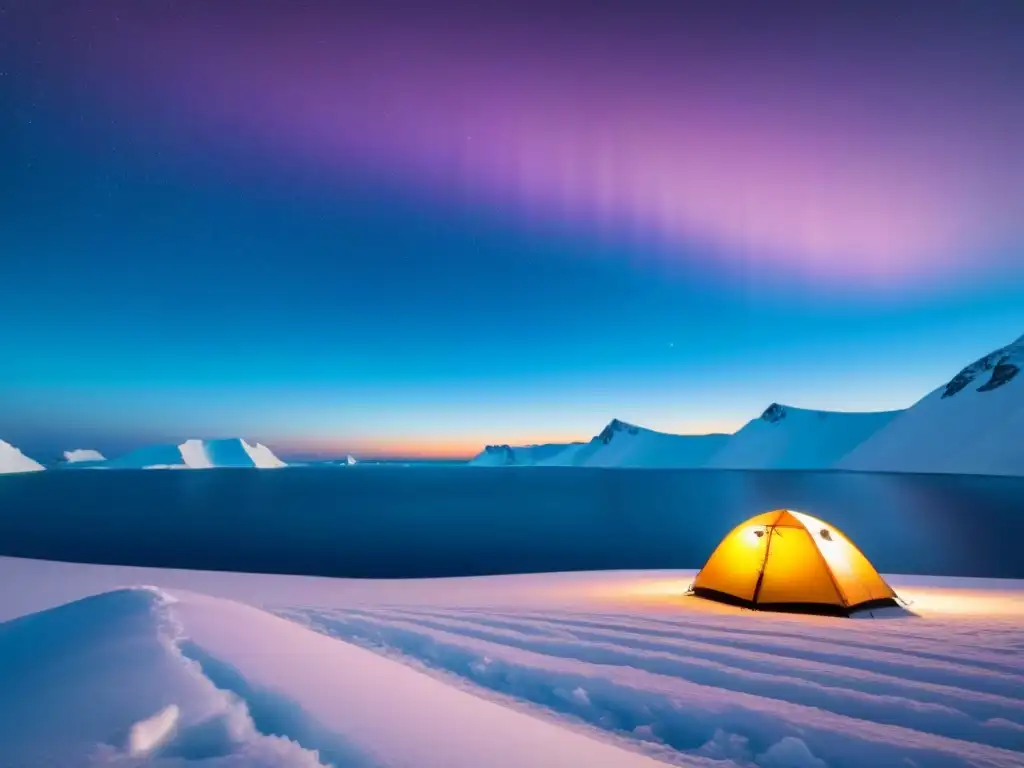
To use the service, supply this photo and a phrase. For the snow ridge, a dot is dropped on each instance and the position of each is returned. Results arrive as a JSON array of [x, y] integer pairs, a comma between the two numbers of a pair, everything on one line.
[[1003, 364], [121, 654], [784, 437], [972, 424], [12, 460], [624, 445], [183, 678]]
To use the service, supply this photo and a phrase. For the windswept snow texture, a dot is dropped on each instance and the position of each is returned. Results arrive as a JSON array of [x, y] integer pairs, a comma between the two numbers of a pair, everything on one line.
[[517, 456], [613, 669], [103, 682], [12, 460], [728, 689], [83, 454], [784, 437], [189, 679], [625, 445], [200, 454], [974, 424]]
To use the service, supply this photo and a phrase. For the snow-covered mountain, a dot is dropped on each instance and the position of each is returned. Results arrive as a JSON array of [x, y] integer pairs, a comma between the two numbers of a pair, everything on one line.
[[83, 455], [517, 456], [973, 424], [626, 445], [12, 460], [199, 454], [784, 437], [350, 460]]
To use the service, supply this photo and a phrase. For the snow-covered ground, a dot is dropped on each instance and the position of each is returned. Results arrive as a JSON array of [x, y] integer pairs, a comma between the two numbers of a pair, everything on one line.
[[784, 437], [199, 454], [598, 669], [12, 460]]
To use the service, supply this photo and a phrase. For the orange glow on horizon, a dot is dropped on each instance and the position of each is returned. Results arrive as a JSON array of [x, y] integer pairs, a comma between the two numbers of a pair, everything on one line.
[[454, 447]]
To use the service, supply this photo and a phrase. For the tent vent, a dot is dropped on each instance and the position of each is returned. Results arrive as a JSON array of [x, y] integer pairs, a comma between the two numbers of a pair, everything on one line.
[[826, 535]]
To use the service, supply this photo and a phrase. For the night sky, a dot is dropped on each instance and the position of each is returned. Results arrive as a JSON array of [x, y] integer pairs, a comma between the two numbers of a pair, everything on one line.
[[412, 228]]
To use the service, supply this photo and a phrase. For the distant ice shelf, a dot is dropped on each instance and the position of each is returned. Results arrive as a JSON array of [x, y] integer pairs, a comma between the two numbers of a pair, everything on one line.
[[79, 455]]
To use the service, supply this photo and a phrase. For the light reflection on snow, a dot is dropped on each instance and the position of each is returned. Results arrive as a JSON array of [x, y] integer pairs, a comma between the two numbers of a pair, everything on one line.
[[146, 735]]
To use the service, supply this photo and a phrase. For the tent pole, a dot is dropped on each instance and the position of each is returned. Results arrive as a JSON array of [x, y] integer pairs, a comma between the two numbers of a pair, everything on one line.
[[764, 564]]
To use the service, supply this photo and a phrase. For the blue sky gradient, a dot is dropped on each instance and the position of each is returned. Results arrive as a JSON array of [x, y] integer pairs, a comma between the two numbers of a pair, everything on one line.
[[155, 286]]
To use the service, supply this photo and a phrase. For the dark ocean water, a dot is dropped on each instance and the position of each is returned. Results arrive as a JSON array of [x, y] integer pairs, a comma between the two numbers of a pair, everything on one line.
[[413, 521]]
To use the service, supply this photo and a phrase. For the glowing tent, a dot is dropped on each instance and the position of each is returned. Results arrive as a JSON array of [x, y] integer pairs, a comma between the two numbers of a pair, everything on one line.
[[788, 561]]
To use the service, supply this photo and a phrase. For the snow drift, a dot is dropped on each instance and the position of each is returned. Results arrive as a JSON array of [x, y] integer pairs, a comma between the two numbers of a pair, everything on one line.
[[79, 455], [542, 670], [784, 437], [200, 454], [521, 455], [12, 460], [972, 424], [183, 678], [626, 445], [103, 681]]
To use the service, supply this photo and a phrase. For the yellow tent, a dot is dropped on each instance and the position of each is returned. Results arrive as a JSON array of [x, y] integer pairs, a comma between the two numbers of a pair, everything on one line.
[[789, 561]]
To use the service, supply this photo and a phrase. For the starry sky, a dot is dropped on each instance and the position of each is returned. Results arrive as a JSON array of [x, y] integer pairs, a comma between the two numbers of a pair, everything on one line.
[[409, 229]]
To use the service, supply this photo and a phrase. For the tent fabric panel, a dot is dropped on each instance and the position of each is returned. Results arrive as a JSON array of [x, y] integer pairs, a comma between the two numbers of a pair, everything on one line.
[[795, 572], [735, 565], [851, 570]]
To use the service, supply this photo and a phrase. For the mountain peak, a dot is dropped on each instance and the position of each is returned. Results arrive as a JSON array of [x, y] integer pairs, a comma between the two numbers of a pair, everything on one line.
[[774, 413], [616, 425], [1004, 365]]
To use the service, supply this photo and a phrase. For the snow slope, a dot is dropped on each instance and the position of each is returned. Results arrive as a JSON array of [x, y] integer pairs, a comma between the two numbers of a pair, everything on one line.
[[177, 679], [524, 455], [973, 424], [625, 445], [200, 454], [102, 682], [12, 460], [601, 669], [784, 437], [83, 454]]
